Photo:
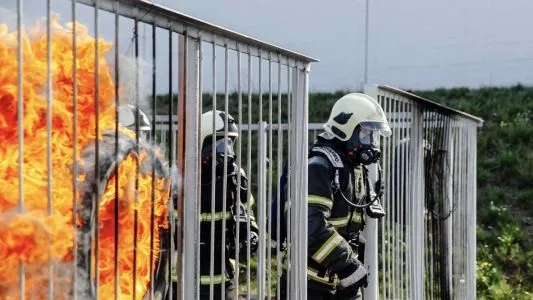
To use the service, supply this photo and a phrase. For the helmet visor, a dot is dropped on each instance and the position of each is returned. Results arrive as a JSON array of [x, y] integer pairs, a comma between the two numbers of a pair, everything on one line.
[[225, 145], [381, 128]]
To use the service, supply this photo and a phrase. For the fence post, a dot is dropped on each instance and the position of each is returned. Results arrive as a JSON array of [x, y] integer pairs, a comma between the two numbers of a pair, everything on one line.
[[371, 229], [417, 204], [471, 210], [261, 210], [298, 188], [189, 95]]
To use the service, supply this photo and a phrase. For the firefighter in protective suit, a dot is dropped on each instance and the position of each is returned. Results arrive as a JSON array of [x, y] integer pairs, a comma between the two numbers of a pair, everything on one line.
[[235, 212], [341, 196]]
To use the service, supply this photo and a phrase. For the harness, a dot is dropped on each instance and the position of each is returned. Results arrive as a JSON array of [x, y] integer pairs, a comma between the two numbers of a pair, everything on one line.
[[336, 161]]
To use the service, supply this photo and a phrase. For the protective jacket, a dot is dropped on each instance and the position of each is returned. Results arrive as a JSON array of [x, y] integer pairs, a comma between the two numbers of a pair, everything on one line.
[[334, 225], [236, 214]]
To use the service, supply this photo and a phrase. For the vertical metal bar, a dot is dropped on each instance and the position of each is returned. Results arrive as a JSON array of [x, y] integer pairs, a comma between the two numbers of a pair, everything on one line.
[[472, 213], [261, 200], [289, 182], [117, 102], [152, 140], [225, 172], [269, 184], [192, 108], [299, 239], [386, 200], [199, 177], [213, 180], [74, 152], [279, 172], [179, 151], [97, 151], [137, 134], [418, 226], [402, 177], [49, 138], [174, 258], [398, 228], [20, 129], [261, 205], [239, 167], [249, 171], [407, 206], [370, 232]]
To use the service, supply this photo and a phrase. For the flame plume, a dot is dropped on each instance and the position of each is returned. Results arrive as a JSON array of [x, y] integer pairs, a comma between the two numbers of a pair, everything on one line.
[[27, 236]]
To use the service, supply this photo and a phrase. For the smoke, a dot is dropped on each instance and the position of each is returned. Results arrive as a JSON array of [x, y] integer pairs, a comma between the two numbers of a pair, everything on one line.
[[135, 81]]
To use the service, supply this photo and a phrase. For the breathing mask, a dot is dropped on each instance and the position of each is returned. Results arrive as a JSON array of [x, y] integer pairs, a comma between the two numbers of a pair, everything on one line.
[[223, 147], [361, 147]]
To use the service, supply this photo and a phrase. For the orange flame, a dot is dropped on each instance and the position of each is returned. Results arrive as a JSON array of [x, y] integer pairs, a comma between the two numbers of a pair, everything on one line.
[[34, 237]]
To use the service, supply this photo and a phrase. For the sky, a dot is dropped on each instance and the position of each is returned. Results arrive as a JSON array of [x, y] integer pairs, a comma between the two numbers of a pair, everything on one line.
[[413, 44]]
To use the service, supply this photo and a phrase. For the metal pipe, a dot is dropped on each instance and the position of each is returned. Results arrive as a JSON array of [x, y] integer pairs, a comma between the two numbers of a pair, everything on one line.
[[289, 181], [152, 140], [213, 180], [49, 138], [279, 172], [74, 152], [225, 177], [200, 143], [173, 261], [249, 171], [386, 201], [97, 151], [137, 134], [239, 178], [261, 200], [190, 112], [269, 184], [20, 130], [117, 102]]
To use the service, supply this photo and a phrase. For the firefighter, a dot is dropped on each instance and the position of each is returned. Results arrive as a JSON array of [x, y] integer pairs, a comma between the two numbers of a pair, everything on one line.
[[235, 213], [341, 195]]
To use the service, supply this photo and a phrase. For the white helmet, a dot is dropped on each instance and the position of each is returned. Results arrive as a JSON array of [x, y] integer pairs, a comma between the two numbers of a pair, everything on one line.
[[356, 109], [126, 117], [220, 118]]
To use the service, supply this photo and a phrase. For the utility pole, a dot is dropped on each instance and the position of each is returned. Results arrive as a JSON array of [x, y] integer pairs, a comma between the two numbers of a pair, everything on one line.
[[365, 79]]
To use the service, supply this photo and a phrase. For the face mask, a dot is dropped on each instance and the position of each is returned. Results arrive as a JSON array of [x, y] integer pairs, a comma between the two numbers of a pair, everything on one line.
[[221, 145], [361, 146]]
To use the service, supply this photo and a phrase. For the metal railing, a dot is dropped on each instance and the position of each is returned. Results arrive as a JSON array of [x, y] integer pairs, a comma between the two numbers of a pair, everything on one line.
[[122, 214], [425, 248]]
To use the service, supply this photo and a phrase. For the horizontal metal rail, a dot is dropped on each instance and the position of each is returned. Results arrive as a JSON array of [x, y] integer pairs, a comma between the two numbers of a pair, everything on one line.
[[175, 21], [430, 103]]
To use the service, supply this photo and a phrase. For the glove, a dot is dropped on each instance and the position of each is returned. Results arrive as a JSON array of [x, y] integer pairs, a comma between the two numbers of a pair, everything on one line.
[[356, 278], [254, 243]]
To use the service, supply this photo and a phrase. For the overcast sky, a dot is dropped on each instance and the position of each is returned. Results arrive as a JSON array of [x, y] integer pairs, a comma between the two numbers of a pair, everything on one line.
[[415, 44]]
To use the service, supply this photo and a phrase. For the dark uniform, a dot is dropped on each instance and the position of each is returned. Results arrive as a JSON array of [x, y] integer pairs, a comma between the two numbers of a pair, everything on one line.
[[235, 215], [334, 225], [335, 247]]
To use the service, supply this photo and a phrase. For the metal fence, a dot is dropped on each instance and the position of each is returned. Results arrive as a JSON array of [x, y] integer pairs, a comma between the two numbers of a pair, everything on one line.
[[90, 209], [425, 248]]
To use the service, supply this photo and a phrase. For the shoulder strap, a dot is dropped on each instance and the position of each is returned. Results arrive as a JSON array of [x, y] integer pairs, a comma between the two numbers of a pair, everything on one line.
[[330, 154]]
